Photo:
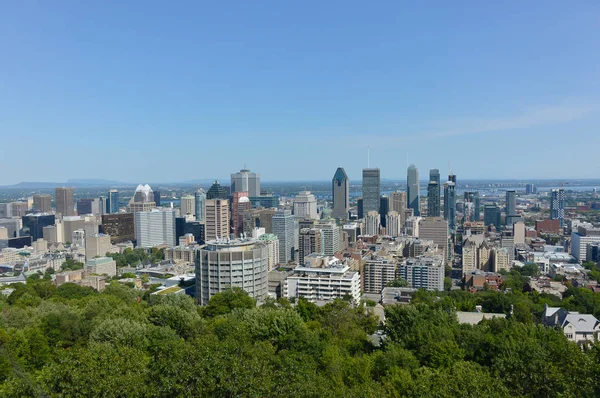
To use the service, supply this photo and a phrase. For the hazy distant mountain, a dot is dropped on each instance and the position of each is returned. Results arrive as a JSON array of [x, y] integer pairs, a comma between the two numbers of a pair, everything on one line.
[[35, 185], [69, 183], [95, 182]]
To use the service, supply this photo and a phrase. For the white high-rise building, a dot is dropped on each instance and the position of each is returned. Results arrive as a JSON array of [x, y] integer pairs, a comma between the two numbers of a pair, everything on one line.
[[322, 278], [393, 224], [284, 228], [424, 272], [200, 203], [273, 248], [78, 239], [372, 223], [579, 240], [97, 245], [224, 264], [331, 235], [519, 232], [187, 206], [156, 227], [305, 205], [246, 181]]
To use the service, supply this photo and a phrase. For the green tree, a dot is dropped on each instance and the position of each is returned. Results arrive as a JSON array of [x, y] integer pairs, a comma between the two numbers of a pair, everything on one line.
[[224, 302], [109, 371], [399, 282], [71, 265]]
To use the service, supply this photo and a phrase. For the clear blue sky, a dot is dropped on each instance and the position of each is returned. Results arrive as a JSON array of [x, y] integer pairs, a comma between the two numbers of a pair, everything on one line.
[[142, 91]]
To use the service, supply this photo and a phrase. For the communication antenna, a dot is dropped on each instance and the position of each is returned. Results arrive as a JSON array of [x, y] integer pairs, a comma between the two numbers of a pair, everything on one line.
[[368, 157], [449, 168]]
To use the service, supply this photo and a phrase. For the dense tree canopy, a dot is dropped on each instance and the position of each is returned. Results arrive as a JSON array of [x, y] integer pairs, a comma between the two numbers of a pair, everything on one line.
[[72, 341]]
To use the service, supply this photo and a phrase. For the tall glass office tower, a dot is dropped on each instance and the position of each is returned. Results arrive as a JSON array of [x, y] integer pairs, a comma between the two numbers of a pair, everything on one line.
[[412, 180], [200, 203], [433, 193], [340, 189], [371, 187], [450, 204], [112, 202]]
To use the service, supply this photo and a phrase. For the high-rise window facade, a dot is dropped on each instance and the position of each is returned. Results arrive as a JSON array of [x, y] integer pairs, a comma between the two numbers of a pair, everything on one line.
[[371, 187]]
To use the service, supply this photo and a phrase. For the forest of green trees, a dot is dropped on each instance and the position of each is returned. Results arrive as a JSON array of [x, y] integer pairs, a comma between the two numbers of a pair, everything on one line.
[[71, 341]]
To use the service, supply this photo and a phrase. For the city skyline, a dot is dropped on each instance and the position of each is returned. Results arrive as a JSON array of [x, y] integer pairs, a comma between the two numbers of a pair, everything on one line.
[[404, 80]]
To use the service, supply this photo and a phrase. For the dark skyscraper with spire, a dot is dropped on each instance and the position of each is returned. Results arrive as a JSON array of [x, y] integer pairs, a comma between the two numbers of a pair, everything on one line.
[[340, 190], [412, 189], [433, 193]]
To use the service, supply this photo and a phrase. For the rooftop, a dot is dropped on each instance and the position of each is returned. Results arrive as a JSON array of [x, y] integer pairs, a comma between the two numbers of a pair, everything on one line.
[[99, 261]]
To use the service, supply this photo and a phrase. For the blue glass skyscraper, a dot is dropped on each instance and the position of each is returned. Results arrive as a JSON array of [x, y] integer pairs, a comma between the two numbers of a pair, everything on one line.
[[112, 202], [200, 203]]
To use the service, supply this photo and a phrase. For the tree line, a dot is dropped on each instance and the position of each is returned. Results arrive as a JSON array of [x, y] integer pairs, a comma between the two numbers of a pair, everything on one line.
[[71, 341]]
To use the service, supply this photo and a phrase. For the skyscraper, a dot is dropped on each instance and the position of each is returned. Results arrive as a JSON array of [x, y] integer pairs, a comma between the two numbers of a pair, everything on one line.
[[221, 265], [310, 241], [511, 208], [305, 205], [340, 189], [187, 205], [557, 205], [217, 219], [120, 227], [64, 201], [393, 224], [359, 208], [384, 208], [371, 188], [530, 189], [398, 204], [372, 223], [112, 201], [157, 198], [435, 229], [33, 225], [283, 227], [216, 191], [42, 203], [246, 181], [433, 193], [450, 202], [142, 199], [200, 203], [331, 234], [104, 205], [239, 204], [491, 215], [88, 206], [474, 205], [412, 188]]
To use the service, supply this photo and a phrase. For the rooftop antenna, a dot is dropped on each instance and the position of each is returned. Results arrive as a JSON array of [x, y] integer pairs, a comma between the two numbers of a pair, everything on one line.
[[449, 168]]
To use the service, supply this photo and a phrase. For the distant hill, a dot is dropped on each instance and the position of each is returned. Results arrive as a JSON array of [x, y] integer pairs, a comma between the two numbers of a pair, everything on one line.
[[95, 182], [69, 183]]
